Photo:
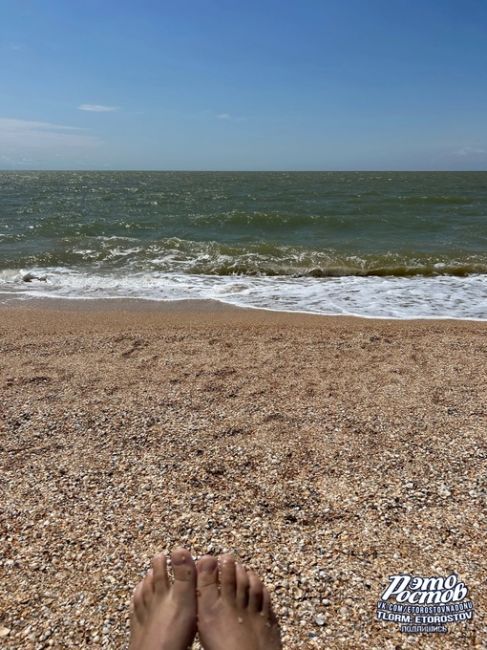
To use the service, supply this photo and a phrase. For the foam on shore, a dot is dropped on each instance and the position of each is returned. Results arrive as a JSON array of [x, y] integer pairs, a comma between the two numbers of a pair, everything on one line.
[[370, 297]]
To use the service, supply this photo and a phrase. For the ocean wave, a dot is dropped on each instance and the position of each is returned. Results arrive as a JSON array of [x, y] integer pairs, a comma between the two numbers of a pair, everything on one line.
[[177, 255], [440, 199]]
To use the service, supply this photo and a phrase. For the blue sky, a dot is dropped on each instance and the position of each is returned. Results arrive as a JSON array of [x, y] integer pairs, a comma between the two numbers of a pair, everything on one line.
[[214, 84]]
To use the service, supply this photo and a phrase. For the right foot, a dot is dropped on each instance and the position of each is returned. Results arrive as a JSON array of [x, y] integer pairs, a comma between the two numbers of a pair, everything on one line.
[[234, 608]]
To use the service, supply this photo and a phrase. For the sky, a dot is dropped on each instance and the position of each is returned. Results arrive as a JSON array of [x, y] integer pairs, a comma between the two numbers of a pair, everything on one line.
[[243, 85]]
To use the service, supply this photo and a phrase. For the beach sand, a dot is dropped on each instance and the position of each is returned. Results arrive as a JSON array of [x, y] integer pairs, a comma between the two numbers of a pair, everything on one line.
[[327, 453]]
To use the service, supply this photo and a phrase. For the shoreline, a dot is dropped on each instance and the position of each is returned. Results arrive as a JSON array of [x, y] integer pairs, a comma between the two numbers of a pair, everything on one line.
[[441, 297], [206, 307]]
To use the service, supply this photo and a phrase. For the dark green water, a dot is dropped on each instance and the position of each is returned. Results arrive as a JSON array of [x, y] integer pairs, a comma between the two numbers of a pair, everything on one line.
[[120, 226]]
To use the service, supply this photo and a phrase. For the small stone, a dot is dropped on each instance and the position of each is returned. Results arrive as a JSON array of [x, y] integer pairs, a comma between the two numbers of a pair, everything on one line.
[[320, 620], [444, 491], [4, 631]]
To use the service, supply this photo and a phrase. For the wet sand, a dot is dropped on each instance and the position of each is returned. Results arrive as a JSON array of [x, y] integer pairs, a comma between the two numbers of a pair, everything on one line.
[[327, 453]]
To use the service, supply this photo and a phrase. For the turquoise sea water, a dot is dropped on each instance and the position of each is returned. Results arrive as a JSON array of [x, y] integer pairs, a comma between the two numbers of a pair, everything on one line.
[[375, 243]]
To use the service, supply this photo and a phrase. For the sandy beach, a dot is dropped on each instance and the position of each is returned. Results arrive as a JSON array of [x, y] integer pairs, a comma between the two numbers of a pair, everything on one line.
[[327, 453]]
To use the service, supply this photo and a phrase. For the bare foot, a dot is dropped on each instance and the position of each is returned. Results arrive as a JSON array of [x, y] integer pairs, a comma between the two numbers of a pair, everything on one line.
[[163, 615], [234, 608]]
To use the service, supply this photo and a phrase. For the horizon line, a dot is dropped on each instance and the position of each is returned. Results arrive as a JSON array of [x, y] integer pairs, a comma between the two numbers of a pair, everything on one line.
[[254, 171]]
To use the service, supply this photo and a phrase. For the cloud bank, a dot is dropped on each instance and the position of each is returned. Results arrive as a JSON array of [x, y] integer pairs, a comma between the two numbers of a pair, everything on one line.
[[470, 151], [36, 142]]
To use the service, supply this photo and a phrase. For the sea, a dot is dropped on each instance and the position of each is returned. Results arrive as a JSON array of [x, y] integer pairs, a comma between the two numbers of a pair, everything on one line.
[[373, 244]]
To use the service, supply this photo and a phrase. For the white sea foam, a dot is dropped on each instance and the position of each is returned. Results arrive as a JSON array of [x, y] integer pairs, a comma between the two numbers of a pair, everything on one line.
[[379, 297]]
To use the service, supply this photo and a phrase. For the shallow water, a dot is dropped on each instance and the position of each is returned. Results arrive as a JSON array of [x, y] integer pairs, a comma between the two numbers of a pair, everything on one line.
[[375, 244]]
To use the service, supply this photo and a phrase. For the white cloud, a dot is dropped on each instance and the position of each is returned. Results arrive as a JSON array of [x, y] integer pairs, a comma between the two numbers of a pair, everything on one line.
[[230, 118], [97, 108], [22, 140]]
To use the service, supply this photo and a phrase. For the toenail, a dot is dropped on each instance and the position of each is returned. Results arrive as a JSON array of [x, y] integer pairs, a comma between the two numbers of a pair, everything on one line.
[[207, 567], [179, 559]]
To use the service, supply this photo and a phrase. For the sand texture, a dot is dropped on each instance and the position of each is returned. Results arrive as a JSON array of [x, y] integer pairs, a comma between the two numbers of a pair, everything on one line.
[[327, 453]]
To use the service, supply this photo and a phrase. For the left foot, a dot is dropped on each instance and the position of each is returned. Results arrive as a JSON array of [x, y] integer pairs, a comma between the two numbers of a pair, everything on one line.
[[163, 615], [234, 608]]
